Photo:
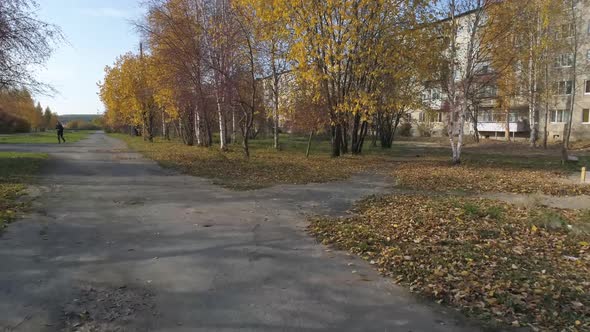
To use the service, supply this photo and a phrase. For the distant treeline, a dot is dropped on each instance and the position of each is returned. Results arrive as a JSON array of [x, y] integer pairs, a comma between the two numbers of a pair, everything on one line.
[[94, 124], [67, 118]]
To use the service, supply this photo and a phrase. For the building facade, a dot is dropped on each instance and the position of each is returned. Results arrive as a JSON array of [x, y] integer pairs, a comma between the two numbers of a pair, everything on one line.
[[493, 122]]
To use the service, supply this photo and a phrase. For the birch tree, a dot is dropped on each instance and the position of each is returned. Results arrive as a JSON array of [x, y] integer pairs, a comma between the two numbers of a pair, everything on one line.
[[272, 46], [463, 35], [175, 35], [220, 54]]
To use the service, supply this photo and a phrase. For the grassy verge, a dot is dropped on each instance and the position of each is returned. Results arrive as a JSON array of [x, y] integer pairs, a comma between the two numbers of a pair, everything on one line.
[[43, 137], [498, 262], [479, 176], [266, 166], [16, 171]]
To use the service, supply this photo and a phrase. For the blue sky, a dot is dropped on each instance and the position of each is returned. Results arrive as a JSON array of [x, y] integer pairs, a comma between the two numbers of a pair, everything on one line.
[[97, 31]]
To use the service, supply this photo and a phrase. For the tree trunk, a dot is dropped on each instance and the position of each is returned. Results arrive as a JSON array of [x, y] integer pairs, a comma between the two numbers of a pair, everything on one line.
[[398, 117], [222, 133], [568, 132], [181, 132], [309, 144], [358, 135], [198, 127], [457, 159], [364, 130], [336, 131], [245, 144], [374, 136], [189, 128], [208, 137], [276, 111], [534, 126], [533, 116], [164, 131], [507, 129], [344, 138], [545, 132], [547, 94], [233, 126], [474, 116]]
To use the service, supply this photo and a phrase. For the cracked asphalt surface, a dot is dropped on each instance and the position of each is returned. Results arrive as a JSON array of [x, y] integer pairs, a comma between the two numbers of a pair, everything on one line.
[[116, 243]]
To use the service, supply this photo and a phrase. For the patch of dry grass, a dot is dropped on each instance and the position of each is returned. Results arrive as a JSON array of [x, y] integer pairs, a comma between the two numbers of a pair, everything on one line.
[[513, 265], [16, 171]]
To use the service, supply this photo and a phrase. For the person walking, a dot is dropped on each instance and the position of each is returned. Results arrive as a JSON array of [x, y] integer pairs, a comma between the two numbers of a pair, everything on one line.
[[60, 132]]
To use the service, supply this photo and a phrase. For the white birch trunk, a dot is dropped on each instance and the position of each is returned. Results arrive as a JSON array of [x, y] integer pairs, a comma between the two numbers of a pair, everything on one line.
[[222, 133], [164, 123], [197, 127]]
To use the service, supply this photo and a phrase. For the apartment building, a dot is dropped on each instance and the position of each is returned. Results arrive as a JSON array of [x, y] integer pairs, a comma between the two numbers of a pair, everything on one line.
[[493, 122]]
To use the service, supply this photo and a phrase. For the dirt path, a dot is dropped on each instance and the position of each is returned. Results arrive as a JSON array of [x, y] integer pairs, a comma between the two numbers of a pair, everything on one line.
[[116, 243]]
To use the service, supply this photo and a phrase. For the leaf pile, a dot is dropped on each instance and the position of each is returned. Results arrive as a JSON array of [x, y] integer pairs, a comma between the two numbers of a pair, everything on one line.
[[442, 176], [498, 262]]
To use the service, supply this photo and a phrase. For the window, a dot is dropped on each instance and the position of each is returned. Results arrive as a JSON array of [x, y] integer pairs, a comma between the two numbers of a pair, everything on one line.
[[488, 91], [567, 30], [435, 94], [431, 116], [431, 94], [564, 60], [586, 115], [563, 88], [485, 116], [438, 117], [558, 116], [513, 117], [587, 87], [483, 68]]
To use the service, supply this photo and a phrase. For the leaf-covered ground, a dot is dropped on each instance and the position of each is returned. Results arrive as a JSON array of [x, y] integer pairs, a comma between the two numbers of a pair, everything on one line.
[[478, 177], [265, 168], [499, 262], [16, 171]]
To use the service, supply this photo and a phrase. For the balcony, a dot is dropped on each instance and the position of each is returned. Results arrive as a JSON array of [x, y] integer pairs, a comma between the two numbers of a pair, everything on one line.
[[514, 127]]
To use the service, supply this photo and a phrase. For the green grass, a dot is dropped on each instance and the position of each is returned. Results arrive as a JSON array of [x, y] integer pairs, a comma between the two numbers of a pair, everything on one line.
[[43, 137], [17, 170]]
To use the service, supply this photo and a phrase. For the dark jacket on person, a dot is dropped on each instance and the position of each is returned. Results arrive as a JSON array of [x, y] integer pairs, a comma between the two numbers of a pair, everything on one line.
[[59, 127]]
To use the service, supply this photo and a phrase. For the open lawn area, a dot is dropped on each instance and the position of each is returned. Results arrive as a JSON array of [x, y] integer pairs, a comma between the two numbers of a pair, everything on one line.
[[265, 168], [494, 167], [16, 171], [44, 137]]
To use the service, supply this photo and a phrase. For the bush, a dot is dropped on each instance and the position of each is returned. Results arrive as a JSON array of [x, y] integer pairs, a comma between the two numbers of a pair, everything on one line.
[[405, 129], [425, 129], [10, 124]]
